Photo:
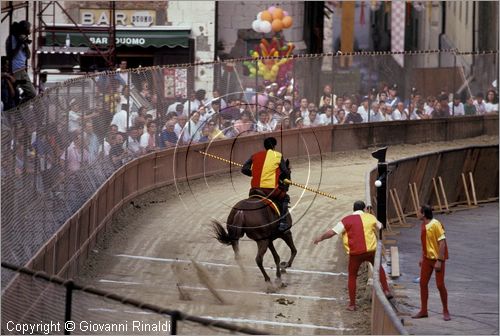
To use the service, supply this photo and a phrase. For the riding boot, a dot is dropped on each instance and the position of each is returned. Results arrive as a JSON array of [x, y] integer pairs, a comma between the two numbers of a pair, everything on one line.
[[283, 226]]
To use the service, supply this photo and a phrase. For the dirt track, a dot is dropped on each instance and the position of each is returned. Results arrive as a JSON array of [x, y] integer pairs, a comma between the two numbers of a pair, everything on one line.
[[170, 224]]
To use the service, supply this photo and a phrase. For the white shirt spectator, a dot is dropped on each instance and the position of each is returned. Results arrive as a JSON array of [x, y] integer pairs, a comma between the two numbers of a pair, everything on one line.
[[182, 133], [396, 115], [207, 116], [457, 110], [428, 109], [261, 127], [74, 157], [134, 147], [363, 112], [120, 120], [172, 107], [325, 120], [223, 103], [490, 107], [190, 106], [144, 142], [74, 121]]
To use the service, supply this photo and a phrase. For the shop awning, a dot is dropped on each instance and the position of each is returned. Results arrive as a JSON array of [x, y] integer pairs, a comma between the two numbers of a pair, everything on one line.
[[124, 37]]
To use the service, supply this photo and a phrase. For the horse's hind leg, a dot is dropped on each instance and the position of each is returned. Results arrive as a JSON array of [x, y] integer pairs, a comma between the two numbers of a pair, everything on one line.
[[287, 237], [262, 248], [236, 249], [276, 259]]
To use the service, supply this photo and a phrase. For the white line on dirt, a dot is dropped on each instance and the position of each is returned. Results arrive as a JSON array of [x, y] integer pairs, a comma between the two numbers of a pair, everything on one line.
[[297, 296], [226, 265], [120, 282], [284, 324], [230, 319]]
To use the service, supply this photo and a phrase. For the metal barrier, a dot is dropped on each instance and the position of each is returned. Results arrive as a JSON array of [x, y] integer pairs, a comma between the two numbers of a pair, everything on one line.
[[73, 322]]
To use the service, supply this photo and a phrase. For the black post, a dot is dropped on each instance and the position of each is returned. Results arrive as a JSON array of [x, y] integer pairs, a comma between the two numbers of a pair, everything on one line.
[[176, 316], [382, 187], [69, 297]]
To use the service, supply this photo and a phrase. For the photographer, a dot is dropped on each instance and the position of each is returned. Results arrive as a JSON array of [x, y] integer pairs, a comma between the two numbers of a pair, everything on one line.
[[18, 53], [10, 96]]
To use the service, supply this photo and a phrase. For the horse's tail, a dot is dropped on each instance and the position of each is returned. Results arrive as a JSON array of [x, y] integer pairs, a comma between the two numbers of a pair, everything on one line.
[[220, 233], [234, 231]]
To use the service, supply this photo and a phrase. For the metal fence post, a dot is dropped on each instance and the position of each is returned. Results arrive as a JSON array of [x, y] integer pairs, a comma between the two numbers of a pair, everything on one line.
[[69, 297], [176, 315]]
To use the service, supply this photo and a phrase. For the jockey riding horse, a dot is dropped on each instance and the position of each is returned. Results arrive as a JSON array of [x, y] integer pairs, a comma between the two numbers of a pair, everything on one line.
[[268, 169]]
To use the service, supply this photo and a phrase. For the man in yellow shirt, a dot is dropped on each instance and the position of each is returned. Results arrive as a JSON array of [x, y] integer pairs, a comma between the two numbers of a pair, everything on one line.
[[434, 254]]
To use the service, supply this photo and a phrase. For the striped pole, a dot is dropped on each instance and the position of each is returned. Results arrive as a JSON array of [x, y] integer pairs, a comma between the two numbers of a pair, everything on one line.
[[286, 181]]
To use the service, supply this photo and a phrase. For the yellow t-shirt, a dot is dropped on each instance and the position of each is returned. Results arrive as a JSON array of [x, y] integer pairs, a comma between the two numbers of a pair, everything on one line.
[[434, 233]]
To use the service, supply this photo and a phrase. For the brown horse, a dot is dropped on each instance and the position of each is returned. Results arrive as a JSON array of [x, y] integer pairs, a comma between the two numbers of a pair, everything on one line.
[[259, 221]]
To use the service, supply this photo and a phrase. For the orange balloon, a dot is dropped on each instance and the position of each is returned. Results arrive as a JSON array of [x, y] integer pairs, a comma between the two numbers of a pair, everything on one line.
[[277, 26], [277, 13], [287, 22], [266, 16]]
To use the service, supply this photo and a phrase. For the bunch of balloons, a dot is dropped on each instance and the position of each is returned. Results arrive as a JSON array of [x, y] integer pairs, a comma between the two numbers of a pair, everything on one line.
[[270, 69], [273, 19]]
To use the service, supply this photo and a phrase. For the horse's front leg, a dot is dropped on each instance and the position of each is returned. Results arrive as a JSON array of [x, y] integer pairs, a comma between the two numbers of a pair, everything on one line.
[[287, 237], [262, 248]]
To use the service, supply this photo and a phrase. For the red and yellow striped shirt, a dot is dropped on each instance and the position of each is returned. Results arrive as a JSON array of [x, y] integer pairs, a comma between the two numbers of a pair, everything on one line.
[[265, 169], [358, 232]]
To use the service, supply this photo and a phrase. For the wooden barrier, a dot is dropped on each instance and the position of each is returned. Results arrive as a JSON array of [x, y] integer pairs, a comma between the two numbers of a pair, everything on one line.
[[428, 172]]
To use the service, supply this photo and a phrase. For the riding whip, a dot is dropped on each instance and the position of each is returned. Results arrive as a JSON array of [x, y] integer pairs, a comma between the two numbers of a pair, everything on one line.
[[286, 181]]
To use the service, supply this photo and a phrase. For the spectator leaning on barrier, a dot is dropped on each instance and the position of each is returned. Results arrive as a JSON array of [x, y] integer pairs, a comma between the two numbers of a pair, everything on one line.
[[314, 119], [133, 145], [375, 114], [359, 235], [353, 117], [442, 110], [168, 136], [491, 102], [327, 118], [456, 106], [469, 107], [148, 139], [479, 104], [363, 109], [263, 125], [244, 124]]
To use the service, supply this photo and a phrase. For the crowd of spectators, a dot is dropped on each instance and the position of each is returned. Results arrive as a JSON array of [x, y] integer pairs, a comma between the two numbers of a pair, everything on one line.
[[113, 133]]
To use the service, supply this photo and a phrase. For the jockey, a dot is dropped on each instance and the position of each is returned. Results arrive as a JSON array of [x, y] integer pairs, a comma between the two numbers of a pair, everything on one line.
[[267, 168]]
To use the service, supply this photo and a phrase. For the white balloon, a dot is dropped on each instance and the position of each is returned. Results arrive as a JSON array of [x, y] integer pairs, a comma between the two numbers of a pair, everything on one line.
[[265, 27], [256, 26], [258, 16]]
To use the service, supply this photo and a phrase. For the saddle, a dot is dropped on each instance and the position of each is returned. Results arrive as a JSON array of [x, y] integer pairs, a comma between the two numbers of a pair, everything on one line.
[[269, 202]]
